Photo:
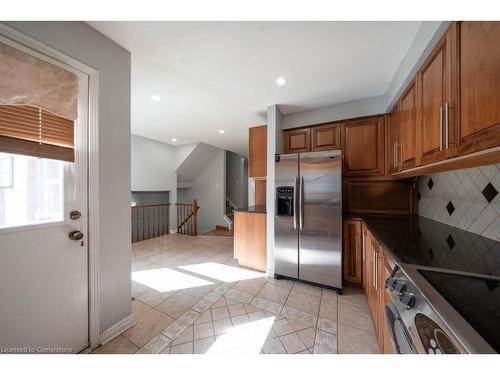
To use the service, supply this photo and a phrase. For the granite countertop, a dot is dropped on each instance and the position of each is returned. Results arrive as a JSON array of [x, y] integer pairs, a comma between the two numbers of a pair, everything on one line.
[[252, 209], [425, 242]]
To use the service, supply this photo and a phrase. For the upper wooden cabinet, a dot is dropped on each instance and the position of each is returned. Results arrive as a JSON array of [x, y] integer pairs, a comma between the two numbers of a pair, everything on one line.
[[405, 149], [364, 144], [257, 153], [325, 137], [316, 138], [478, 54], [352, 251], [434, 90], [296, 140]]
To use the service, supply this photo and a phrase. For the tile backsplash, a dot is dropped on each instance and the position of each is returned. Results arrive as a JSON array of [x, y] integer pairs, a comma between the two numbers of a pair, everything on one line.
[[467, 198]]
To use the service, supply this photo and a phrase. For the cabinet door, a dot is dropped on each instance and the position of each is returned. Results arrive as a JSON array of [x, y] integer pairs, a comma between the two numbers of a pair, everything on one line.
[[394, 139], [406, 145], [479, 83], [434, 81], [368, 266], [352, 257], [295, 141], [364, 144], [257, 152], [325, 137]]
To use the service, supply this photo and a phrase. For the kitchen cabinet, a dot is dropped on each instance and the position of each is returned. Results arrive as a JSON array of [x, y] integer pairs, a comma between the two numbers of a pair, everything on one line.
[[364, 143], [297, 140], [376, 272], [401, 149], [405, 148], [257, 152], [478, 54], [434, 96], [316, 138], [352, 249], [325, 137], [250, 246]]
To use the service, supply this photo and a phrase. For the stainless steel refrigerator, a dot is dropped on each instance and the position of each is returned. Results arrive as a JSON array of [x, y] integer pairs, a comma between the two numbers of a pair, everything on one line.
[[308, 217]]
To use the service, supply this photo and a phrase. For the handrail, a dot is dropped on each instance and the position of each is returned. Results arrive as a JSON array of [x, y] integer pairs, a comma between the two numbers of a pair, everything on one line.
[[149, 220], [151, 205]]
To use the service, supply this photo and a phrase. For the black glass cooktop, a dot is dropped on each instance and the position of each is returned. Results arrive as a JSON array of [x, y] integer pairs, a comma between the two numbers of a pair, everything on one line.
[[425, 242], [476, 299]]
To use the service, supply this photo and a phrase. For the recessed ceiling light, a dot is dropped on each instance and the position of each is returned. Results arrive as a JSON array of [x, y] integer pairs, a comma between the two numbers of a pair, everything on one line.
[[221, 131], [156, 98], [280, 81], [174, 139]]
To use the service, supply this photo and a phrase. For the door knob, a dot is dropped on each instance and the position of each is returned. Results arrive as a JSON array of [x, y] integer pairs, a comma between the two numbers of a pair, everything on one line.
[[75, 235]]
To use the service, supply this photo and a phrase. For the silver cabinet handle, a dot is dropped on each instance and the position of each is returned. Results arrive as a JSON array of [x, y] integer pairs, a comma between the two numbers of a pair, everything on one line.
[[446, 124], [376, 271], [400, 154], [364, 247], [295, 202], [441, 128], [373, 268], [394, 155]]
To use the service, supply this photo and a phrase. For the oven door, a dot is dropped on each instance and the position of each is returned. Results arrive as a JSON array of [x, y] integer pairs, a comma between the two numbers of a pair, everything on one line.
[[400, 338]]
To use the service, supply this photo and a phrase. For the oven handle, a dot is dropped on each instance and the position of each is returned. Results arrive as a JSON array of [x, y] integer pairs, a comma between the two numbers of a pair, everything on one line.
[[390, 309]]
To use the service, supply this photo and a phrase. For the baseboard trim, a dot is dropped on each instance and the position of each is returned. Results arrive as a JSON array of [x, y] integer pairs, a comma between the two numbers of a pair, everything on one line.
[[116, 329], [172, 231], [221, 227]]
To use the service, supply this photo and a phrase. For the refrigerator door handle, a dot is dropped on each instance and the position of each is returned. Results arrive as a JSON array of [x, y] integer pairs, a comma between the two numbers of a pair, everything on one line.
[[295, 202], [301, 203]]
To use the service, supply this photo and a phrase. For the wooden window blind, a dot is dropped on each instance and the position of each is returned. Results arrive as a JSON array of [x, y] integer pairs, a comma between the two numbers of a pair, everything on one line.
[[33, 131]]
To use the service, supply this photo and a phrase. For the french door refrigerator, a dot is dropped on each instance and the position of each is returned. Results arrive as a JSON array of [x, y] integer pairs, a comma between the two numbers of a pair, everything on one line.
[[308, 217]]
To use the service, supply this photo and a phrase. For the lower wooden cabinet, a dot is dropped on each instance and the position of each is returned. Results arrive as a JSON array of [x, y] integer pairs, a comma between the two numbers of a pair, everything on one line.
[[376, 271], [352, 251], [250, 236]]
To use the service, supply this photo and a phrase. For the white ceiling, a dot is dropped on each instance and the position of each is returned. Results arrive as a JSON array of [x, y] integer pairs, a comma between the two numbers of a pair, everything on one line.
[[221, 75]]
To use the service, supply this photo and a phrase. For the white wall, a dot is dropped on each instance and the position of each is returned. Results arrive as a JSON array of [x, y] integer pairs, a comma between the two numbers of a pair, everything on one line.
[[426, 38], [274, 128], [81, 42], [363, 107], [236, 179], [153, 169], [208, 188]]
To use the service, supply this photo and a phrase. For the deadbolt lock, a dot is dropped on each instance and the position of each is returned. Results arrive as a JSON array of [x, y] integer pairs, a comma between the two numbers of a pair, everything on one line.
[[75, 215]]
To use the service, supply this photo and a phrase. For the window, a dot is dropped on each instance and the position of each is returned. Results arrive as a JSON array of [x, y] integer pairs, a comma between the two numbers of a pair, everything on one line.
[[36, 192], [5, 170]]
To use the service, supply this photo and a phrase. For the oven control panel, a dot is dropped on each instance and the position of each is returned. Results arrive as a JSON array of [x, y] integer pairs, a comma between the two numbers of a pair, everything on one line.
[[432, 336]]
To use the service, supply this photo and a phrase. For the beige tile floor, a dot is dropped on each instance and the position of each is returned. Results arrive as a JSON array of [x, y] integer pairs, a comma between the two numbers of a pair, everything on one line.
[[190, 297]]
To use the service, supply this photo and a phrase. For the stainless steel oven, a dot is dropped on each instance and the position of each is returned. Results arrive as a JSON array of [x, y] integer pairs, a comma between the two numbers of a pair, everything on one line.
[[430, 311]]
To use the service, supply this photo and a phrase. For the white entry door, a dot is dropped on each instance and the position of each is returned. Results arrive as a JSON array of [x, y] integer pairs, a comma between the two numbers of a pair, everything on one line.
[[44, 273]]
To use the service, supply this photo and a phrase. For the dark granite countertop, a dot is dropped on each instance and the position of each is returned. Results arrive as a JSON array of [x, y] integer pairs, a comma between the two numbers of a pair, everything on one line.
[[252, 209], [425, 242]]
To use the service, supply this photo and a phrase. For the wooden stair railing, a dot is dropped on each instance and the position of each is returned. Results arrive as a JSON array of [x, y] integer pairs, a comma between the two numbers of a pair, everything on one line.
[[149, 220], [187, 218]]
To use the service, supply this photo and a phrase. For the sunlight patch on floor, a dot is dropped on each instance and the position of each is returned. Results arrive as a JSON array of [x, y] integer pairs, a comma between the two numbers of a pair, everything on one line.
[[222, 272], [166, 279], [244, 339]]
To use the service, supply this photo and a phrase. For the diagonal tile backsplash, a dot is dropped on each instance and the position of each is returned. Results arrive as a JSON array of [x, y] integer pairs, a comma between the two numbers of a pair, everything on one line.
[[467, 198]]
